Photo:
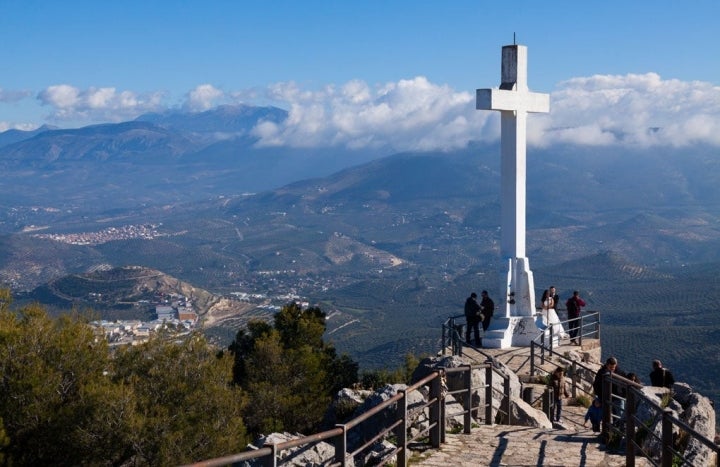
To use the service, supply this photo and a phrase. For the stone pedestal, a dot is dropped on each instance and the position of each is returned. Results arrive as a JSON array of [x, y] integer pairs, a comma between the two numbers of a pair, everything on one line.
[[516, 331]]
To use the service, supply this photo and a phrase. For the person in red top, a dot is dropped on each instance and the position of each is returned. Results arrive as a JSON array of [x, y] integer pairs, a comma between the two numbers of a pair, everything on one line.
[[574, 305]]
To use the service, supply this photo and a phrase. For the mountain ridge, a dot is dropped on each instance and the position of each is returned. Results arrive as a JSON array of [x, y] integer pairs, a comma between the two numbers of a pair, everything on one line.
[[390, 247]]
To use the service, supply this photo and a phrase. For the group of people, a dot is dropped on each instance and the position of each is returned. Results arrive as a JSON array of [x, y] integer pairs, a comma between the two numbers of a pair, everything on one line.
[[573, 305], [482, 312], [477, 313], [659, 377]]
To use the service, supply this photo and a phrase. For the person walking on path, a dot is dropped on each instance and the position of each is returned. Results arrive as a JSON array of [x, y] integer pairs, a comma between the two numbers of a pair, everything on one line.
[[560, 392], [594, 414], [487, 308], [574, 305], [661, 377], [473, 318]]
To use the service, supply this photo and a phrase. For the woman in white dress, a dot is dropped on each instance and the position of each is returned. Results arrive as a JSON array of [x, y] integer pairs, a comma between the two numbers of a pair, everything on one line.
[[549, 315]]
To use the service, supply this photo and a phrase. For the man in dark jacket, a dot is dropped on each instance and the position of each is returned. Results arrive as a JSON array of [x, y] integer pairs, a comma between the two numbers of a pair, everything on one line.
[[610, 366], [574, 305], [487, 308], [618, 403], [472, 316], [661, 377]]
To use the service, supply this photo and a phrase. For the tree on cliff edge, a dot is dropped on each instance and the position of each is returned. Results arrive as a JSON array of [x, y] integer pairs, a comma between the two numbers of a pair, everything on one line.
[[65, 400], [289, 373]]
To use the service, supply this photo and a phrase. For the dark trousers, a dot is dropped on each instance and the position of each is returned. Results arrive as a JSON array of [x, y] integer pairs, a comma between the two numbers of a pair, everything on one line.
[[473, 324], [574, 326], [558, 409]]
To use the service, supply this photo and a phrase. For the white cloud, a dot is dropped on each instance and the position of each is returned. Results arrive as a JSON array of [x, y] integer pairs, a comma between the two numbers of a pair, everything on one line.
[[408, 115], [203, 97], [4, 126], [641, 110], [415, 114], [69, 103]]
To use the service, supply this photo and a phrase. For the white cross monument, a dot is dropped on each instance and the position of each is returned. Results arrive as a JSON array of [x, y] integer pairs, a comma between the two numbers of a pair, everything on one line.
[[517, 326]]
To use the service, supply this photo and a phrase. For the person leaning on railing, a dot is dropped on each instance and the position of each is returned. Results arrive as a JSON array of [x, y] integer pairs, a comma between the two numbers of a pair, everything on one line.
[[610, 366]]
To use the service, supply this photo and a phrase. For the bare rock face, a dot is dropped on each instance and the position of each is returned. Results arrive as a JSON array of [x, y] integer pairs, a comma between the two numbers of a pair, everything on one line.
[[318, 454], [523, 414], [344, 405], [699, 413], [685, 404], [417, 418]]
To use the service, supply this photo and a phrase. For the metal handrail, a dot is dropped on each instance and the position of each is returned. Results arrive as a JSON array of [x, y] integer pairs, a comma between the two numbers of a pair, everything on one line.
[[396, 405], [669, 455]]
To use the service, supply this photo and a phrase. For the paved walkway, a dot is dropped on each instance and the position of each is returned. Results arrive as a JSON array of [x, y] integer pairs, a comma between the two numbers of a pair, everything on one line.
[[566, 444], [502, 445]]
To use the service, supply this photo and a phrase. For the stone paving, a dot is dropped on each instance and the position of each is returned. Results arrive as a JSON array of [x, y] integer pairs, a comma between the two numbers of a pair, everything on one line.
[[566, 444], [502, 445]]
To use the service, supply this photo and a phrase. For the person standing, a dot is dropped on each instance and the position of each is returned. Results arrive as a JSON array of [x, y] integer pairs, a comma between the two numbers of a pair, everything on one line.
[[560, 392], [550, 318], [661, 377], [472, 317], [574, 306], [616, 401], [610, 366], [594, 414], [487, 308]]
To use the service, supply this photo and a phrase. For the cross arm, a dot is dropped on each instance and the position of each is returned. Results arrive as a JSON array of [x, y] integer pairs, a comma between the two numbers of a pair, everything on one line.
[[500, 99]]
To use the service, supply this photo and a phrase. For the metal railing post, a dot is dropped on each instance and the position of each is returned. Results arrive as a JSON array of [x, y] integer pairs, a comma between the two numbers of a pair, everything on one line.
[[547, 402], [467, 421], [542, 348], [581, 330], [401, 429], [574, 377], [340, 443], [443, 415], [667, 439], [488, 392], [435, 419], [597, 327], [532, 358], [272, 460], [630, 427], [506, 393]]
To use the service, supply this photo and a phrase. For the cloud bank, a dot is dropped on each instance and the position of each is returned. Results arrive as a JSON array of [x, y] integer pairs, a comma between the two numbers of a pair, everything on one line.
[[69, 103], [602, 110], [416, 114]]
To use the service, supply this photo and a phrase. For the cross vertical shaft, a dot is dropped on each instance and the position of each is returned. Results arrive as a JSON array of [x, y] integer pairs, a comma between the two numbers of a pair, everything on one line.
[[514, 101]]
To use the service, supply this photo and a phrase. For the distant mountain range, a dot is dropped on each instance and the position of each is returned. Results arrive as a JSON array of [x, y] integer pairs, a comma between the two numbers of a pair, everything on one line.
[[388, 246], [165, 158]]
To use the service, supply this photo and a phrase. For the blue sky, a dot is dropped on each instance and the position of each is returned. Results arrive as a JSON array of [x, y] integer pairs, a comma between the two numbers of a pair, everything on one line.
[[393, 73]]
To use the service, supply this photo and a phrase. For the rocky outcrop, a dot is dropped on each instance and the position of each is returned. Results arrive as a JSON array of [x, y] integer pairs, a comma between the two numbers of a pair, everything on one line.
[[687, 405], [523, 414], [317, 454]]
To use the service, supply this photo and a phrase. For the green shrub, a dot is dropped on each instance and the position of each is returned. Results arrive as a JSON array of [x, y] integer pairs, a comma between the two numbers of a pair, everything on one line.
[[583, 400]]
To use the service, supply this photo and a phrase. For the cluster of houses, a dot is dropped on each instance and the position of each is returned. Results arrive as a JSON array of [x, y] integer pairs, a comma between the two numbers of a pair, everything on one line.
[[178, 317]]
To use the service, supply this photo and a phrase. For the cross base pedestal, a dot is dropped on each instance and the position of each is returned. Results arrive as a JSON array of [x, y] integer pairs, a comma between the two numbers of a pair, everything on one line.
[[504, 333]]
